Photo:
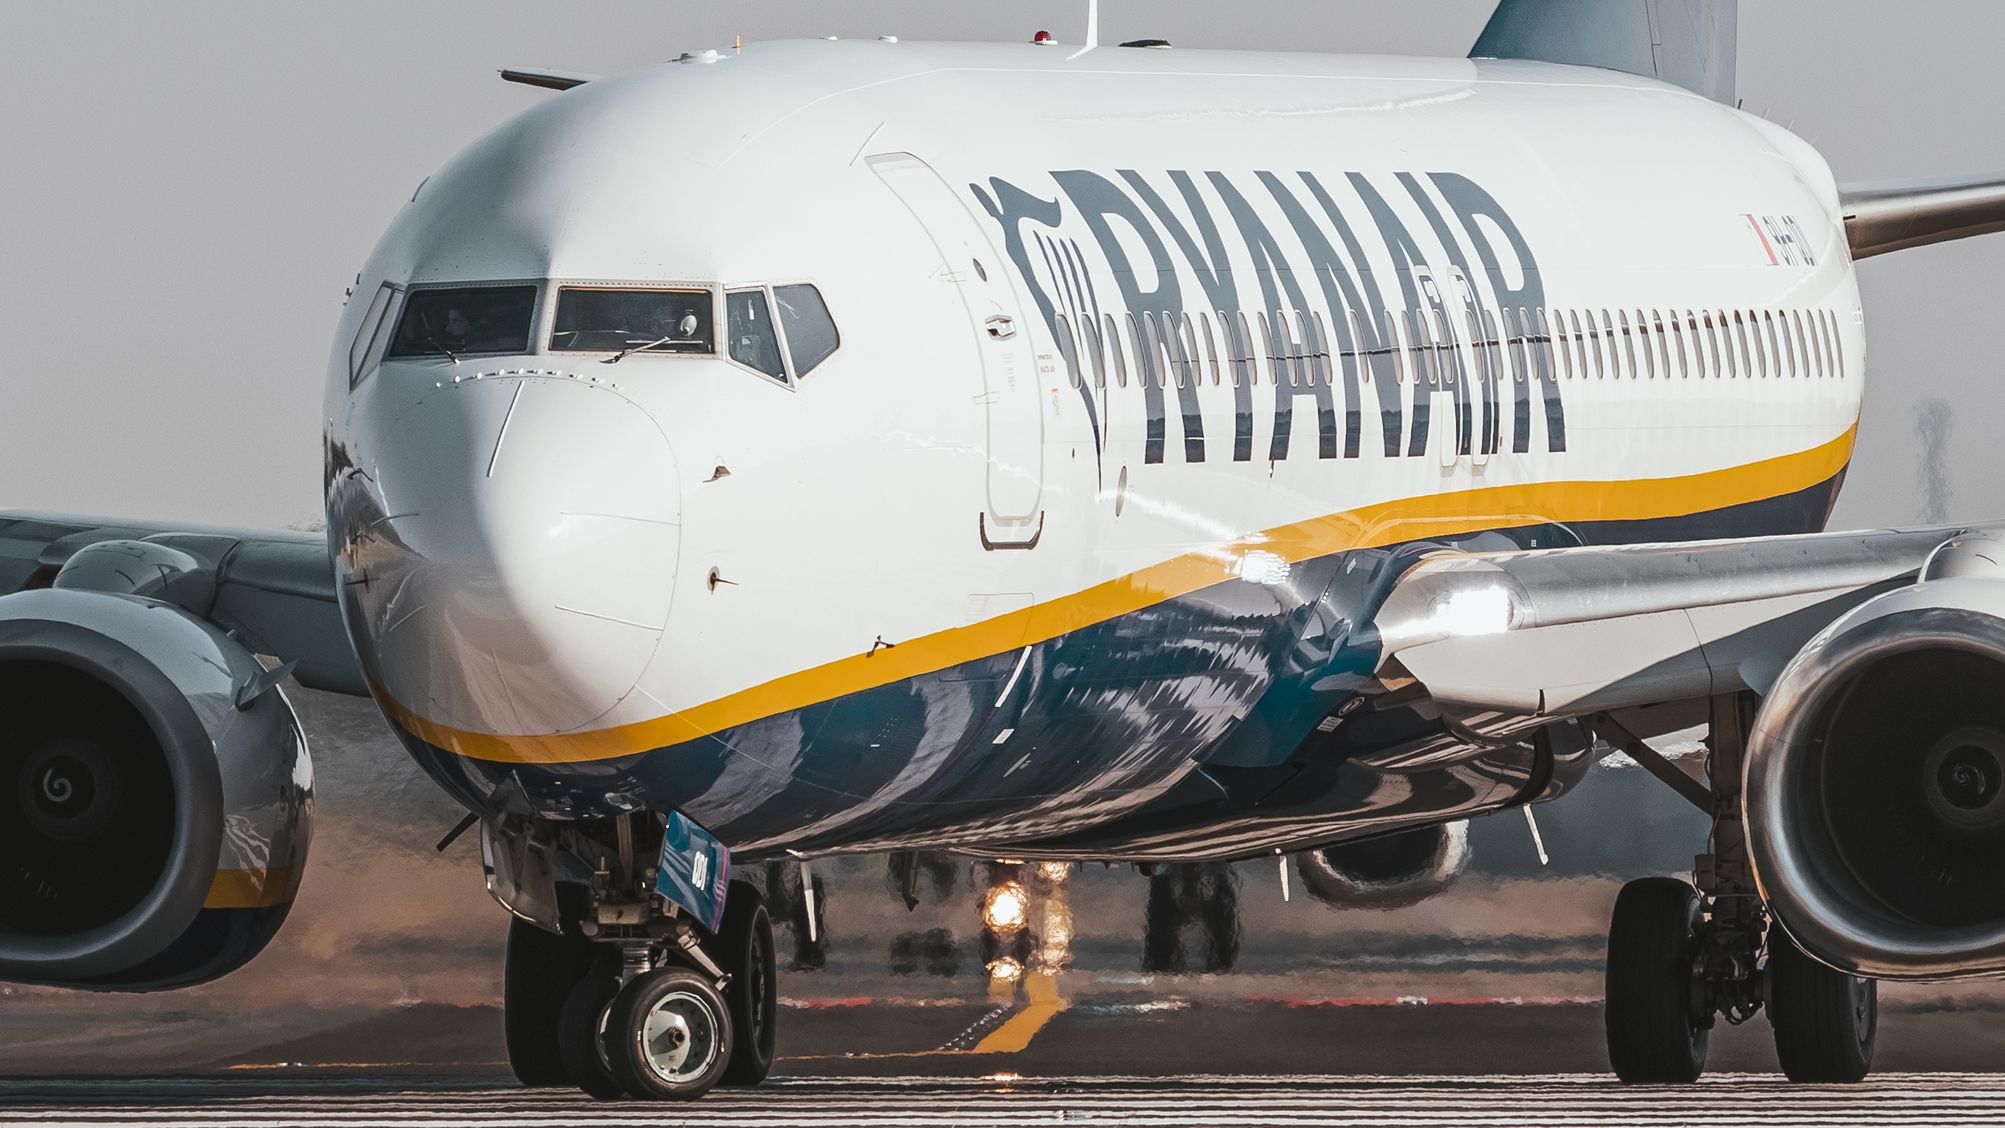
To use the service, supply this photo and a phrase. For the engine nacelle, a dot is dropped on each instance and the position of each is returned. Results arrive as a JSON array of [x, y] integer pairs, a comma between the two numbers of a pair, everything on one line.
[[1390, 872], [1875, 797], [155, 791]]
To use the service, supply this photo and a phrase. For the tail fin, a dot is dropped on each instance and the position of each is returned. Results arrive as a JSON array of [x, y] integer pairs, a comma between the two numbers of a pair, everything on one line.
[[1690, 43]]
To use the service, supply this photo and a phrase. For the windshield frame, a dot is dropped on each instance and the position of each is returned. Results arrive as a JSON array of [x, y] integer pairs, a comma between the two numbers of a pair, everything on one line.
[[545, 338], [791, 380], [395, 319]]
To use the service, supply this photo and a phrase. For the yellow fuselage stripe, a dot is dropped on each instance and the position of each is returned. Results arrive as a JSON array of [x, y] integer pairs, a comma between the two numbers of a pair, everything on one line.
[[1374, 526]]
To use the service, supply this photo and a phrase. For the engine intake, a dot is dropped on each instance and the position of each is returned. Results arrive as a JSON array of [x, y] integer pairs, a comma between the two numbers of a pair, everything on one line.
[[1389, 872], [153, 829], [1875, 797]]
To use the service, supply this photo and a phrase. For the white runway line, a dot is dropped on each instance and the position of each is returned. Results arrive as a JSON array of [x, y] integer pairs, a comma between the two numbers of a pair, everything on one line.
[[1491, 1102]]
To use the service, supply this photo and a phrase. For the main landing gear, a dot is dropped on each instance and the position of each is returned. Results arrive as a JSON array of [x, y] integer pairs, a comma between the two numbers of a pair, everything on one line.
[[1683, 955], [628, 1004]]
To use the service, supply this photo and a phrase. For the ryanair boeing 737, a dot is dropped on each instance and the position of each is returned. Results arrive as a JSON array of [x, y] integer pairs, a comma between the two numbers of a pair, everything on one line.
[[1063, 452]]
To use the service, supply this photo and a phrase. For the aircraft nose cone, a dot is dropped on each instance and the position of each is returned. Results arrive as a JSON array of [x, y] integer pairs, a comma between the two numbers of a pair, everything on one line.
[[522, 578]]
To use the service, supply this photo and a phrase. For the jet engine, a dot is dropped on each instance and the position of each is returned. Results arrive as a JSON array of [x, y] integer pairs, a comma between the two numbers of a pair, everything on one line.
[[1389, 872], [1875, 797], [155, 790]]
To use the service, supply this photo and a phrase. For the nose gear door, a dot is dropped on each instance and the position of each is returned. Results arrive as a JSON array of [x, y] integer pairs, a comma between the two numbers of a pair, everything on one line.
[[970, 263]]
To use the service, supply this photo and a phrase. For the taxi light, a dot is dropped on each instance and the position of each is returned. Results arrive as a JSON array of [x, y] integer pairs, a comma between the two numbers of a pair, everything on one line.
[[1006, 908]]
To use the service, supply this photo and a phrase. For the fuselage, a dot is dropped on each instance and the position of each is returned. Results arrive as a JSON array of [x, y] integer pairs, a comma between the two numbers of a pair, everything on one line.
[[1143, 375]]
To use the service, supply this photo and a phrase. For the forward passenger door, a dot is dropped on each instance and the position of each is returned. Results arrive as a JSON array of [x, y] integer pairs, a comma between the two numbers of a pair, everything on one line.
[[1011, 517]]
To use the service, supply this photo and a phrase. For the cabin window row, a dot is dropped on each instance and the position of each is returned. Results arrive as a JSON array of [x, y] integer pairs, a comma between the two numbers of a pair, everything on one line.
[[1297, 348]]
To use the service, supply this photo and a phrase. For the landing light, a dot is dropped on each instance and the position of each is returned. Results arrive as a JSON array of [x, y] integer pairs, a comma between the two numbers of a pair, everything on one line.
[[1006, 908], [1005, 970], [1474, 611]]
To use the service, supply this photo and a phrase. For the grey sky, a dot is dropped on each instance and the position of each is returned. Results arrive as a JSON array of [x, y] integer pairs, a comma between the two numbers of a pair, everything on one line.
[[186, 189]]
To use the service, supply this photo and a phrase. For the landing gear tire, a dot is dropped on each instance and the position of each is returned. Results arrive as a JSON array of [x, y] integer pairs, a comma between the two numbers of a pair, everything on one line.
[[580, 1029], [1658, 1027], [745, 949], [540, 970], [1825, 1021], [668, 1035]]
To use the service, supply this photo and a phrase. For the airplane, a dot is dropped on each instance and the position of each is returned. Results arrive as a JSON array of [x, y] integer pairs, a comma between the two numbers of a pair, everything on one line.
[[1063, 452]]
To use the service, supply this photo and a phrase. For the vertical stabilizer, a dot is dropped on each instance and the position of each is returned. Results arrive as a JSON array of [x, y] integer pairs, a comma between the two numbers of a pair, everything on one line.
[[1690, 43]]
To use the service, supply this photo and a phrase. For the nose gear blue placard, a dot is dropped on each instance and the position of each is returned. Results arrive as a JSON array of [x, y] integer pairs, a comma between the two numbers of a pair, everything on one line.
[[695, 870]]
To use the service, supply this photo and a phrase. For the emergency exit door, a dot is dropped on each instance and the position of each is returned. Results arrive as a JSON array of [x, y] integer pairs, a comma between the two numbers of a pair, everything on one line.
[[1001, 338]]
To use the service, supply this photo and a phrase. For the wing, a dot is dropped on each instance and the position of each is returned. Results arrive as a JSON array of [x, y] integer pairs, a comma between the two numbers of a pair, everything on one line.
[[1573, 632], [1865, 800], [273, 590]]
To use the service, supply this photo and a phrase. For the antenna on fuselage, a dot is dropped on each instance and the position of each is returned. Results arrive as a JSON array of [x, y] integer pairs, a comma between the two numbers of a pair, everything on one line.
[[1092, 28]]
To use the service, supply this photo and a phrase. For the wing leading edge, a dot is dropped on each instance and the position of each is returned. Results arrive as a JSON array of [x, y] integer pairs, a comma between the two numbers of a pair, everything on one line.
[[1559, 633], [274, 590]]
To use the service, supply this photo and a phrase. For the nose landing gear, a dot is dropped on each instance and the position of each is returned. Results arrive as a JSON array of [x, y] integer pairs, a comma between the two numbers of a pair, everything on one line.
[[654, 1009]]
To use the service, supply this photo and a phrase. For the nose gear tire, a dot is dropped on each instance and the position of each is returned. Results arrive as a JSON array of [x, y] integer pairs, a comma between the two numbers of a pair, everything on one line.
[[540, 969], [745, 949], [580, 1029], [668, 1035]]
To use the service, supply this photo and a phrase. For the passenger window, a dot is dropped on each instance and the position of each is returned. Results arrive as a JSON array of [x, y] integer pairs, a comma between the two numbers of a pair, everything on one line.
[[1210, 347], [1578, 344], [1683, 360], [643, 321], [1322, 354], [1396, 347], [810, 331], [1643, 366], [1661, 332], [749, 329], [1559, 363], [1721, 367], [1816, 340], [1193, 361], [1794, 326], [369, 332], [1119, 348], [1244, 371], [1068, 349], [452, 323], [1090, 341], [1426, 362]]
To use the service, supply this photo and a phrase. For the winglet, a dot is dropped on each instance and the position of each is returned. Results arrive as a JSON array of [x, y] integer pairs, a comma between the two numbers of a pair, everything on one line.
[[547, 79]]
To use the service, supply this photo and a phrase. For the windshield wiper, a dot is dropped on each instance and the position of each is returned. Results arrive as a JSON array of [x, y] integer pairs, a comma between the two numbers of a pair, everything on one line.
[[450, 355], [637, 346]]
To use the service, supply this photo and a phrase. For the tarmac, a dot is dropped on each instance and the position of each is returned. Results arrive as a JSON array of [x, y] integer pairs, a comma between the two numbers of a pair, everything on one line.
[[1036, 1058]]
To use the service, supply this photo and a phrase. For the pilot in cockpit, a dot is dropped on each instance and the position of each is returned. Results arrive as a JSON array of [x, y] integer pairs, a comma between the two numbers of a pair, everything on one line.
[[458, 327]]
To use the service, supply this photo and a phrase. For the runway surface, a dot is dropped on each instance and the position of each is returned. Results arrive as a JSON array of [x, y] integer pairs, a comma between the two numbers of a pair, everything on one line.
[[893, 1102]]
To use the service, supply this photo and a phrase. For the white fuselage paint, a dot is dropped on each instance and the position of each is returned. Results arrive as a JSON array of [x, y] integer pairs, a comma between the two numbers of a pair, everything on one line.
[[548, 543]]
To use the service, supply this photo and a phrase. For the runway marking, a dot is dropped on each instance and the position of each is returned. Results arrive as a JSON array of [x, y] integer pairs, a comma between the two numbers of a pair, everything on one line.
[[1015, 1035], [1043, 1003]]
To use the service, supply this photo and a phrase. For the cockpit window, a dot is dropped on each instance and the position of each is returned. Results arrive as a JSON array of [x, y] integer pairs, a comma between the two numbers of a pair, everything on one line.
[[481, 319], [660, 321], [753, 343], [810, 331]]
